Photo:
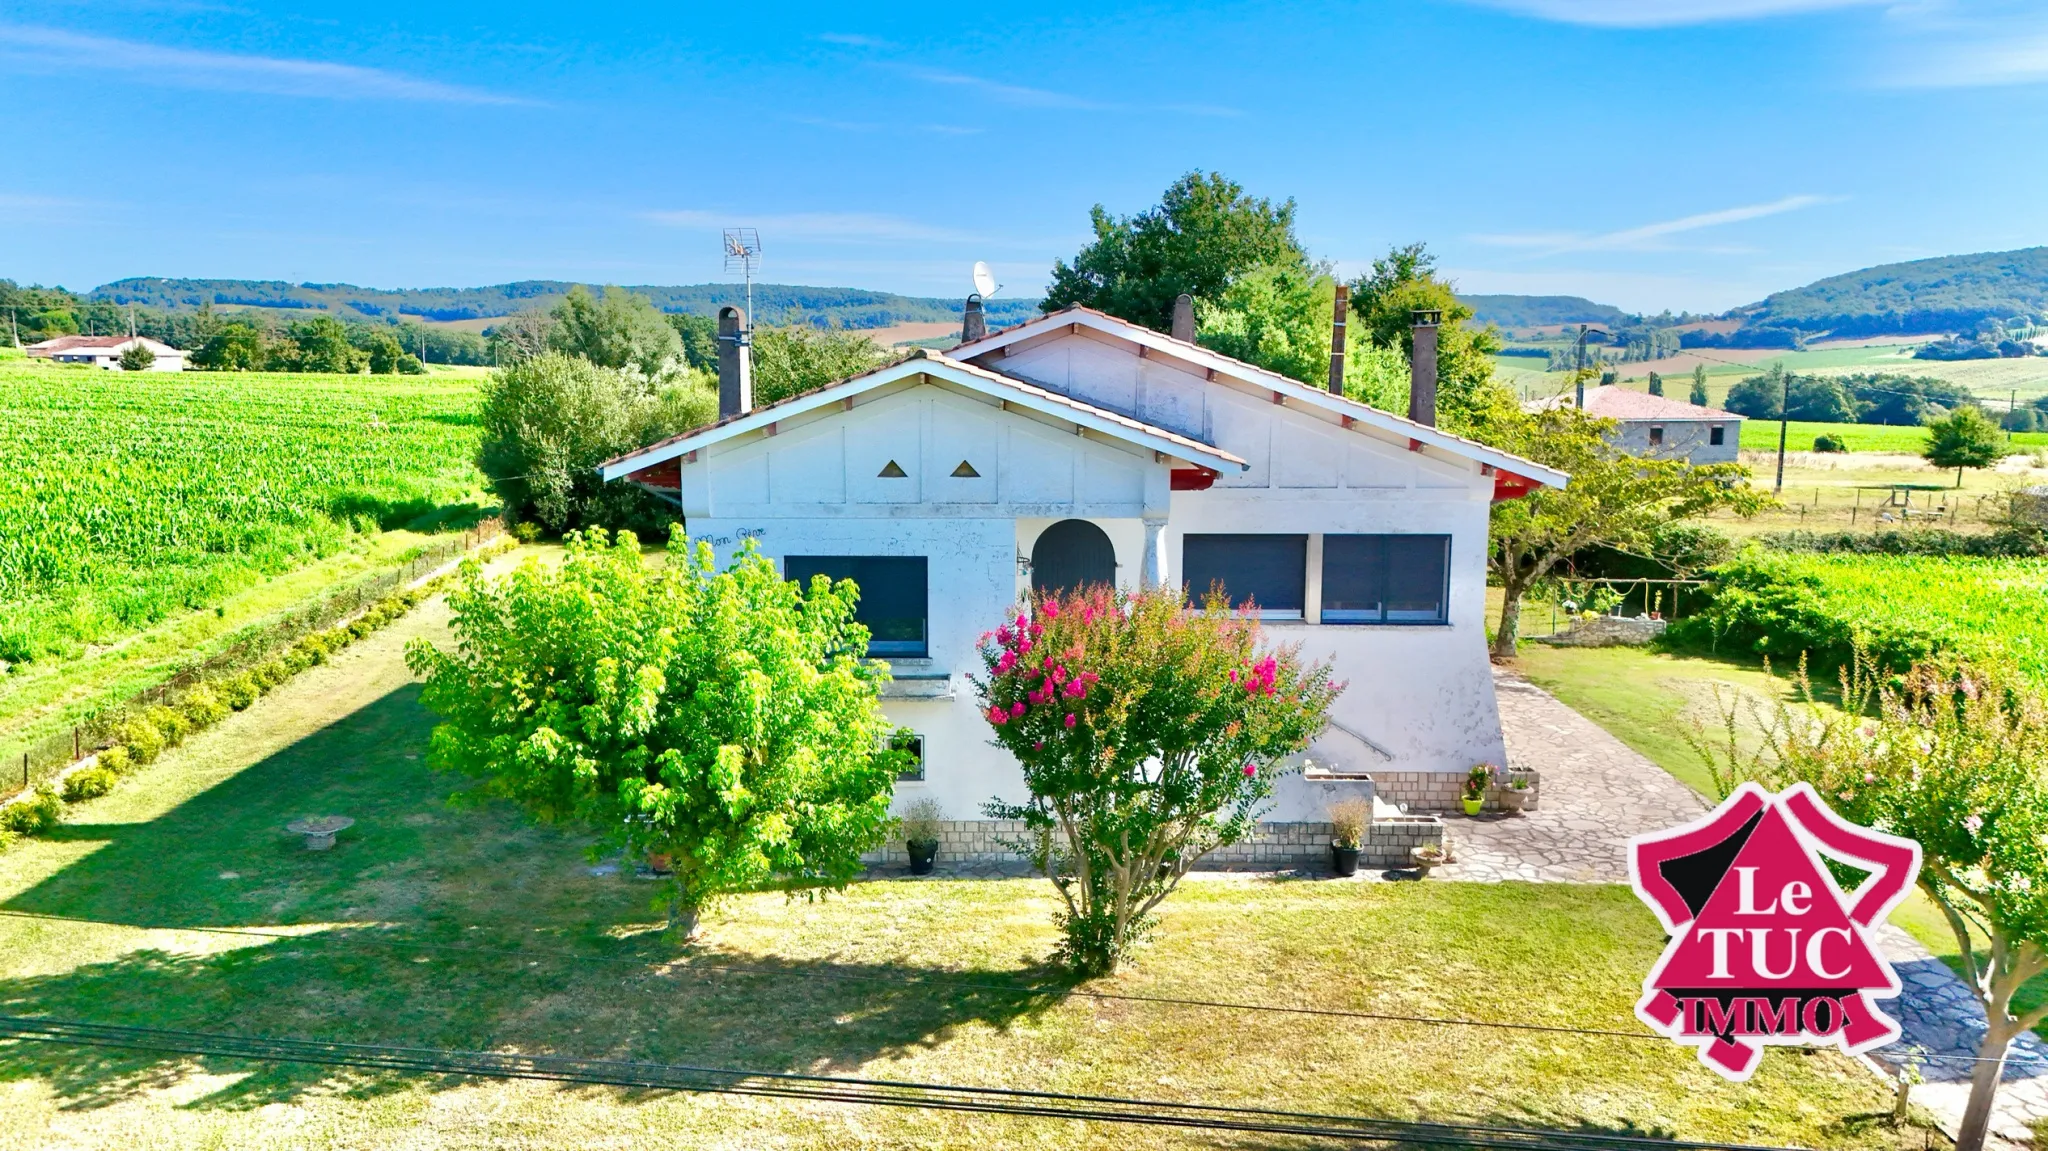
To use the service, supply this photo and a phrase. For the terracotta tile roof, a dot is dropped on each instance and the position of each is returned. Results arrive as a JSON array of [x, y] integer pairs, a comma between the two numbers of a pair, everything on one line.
[[1619, 403]]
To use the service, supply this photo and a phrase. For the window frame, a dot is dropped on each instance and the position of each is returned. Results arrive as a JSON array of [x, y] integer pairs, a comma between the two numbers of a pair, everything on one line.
[[1717, 435], [1444, 595], [1277, 614], [1656, 435], [890, 648], [913, 742]]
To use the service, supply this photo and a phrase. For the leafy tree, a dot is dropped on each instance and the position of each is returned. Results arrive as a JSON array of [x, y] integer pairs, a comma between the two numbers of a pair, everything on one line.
[[320, 344], [1656, 384], [137, 357], [723, 719], [383, 351], [233, 347], [699, 335], [1699, 385], [620, 330], [549, 421], [1149, 735], [1821, 399], [1203, 234], [1405, 280], [1279, 318], [790, 361], [520, 336], [1614, 499], [1957, 761], [1904, 401], [1965, 438]]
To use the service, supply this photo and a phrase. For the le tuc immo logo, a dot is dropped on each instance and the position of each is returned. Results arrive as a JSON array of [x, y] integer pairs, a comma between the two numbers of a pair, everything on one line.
[[1765, 946]]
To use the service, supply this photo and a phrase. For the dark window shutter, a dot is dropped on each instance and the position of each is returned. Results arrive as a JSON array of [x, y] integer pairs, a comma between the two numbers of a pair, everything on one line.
[[1269, 571]]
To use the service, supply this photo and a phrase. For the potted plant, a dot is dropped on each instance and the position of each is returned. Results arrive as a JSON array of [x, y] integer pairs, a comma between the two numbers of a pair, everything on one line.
[[1348, 821], [1427, 856], [1514, 795], [920, 822], [1476, 782]]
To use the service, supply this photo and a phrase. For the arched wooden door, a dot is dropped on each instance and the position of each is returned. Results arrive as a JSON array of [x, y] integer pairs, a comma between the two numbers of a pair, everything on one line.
[[1069, 554]]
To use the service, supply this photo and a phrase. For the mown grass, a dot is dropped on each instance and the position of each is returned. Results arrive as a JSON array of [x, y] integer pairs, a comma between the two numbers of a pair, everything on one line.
[[468, 927]]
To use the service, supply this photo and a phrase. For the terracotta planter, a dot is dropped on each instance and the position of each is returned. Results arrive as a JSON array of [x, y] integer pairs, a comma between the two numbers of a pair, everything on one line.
[[1343, 860], [923, 855]]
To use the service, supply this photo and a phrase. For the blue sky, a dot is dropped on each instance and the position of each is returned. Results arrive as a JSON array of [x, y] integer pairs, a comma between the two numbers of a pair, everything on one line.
[[1691, 154]]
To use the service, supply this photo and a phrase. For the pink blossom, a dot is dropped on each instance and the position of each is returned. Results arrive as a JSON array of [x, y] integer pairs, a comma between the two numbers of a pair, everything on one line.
[[1038, 745], [1250, 769], [997, 715], [1005, 664], [1050, 609], [1037, 630], [1024, 648], [1975, 823], [1070, 719], [1017, 709]]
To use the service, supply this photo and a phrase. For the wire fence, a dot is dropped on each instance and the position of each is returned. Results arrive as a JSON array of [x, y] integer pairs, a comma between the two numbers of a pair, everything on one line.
[[1656, 598], [26, 765]]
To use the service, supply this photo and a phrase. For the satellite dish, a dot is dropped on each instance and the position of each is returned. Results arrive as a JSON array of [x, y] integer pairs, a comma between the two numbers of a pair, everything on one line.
[[985, 280]]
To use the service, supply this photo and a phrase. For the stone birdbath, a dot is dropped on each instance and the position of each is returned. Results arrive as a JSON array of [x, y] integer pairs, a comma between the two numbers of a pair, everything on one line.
[[319, 830], [1427, 857]]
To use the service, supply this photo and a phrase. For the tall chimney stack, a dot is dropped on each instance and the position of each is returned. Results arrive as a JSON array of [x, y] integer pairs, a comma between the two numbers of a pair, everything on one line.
[[1184, 318], [973, 323], [1341, 313], [735, 363], [1422, 366]]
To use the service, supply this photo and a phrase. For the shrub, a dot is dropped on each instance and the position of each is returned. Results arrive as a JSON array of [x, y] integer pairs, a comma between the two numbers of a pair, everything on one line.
[[920, 821], [142, 739], [297, 659], [117, 760], [1830, 443], [1149, 734], [362, 628], [239, 691], [273, 672], [171, 722], [723, 718], [35, 815], [202, 708], [1349, 819], [90, 783], [526, 531]]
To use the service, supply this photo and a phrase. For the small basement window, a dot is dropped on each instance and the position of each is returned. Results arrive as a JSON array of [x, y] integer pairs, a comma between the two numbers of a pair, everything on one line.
[[894, 597], [1717, 435], [1656, 436], [1386, 579], [912, 745], [1268, 571]]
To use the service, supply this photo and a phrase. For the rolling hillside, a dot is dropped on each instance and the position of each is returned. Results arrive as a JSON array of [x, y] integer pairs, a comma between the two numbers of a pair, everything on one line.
[[776, 303], [1939, 295], [1540, 311]]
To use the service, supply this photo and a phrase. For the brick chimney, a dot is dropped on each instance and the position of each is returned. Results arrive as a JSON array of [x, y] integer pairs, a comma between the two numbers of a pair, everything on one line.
[[1337, 317], [1422, 366], [973, 323], [735, 363], [1184, 318]]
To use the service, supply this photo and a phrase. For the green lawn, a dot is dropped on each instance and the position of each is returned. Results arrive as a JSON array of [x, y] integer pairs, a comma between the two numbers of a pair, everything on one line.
[[466, 927], [1648, 700], [1762, 435]]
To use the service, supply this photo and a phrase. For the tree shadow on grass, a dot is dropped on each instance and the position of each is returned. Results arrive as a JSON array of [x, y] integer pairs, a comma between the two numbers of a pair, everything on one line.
[[465, 928]]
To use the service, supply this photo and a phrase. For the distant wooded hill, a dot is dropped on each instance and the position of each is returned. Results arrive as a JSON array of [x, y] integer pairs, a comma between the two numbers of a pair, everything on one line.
[[1940, 295], [1540, 311], [775, 303]]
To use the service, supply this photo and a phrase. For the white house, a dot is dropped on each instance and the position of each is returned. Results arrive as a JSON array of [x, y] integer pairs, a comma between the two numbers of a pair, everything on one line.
[[105, 351], [1078, 447], [1648, 425]]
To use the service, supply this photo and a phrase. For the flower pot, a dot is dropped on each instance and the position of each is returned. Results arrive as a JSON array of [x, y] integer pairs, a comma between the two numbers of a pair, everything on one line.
[[660, 864], [1513, 798], [922, 856], [1343, 860], [1472, 805], [1424, 862]]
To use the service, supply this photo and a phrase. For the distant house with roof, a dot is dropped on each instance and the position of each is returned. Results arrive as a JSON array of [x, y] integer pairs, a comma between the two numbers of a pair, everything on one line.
[[105, 351], [1659, 426]]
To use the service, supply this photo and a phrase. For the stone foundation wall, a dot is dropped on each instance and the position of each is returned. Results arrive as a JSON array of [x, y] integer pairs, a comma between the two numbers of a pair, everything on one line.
[[1442, 790], [1275, 846]]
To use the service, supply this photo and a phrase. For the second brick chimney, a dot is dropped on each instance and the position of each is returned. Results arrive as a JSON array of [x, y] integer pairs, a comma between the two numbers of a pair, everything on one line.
[[1422, 366], [735, 363]]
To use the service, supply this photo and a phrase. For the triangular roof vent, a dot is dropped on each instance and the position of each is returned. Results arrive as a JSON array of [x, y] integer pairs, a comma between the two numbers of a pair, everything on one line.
[[892, 471], [966, 471]]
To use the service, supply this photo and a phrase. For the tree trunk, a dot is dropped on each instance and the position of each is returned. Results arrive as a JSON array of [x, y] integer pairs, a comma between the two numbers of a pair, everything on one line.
[[1984, 1086], [1510, 622], [1959, 477], [682, 918]]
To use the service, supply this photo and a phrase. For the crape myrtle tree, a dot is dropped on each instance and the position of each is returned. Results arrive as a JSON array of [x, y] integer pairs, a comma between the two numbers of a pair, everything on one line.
[[1150, 734], [723, 718], [1613, 498], [1957, 760]]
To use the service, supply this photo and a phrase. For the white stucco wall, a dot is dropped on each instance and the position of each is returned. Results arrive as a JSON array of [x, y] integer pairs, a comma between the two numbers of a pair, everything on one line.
[[1420, 698]]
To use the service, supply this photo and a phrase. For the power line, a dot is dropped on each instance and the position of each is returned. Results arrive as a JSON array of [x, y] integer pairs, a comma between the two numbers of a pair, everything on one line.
[[836, 1089]]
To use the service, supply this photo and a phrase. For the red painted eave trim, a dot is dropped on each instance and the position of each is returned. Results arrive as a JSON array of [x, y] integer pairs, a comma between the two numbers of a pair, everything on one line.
[[1509, 486], [1195, 479]]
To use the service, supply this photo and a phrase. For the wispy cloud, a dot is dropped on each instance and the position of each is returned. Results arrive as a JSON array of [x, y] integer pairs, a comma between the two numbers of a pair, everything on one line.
[[876, 126], [854, 40], [49, 48], [1647, 237], [845, 227], [1979, 53], [1021, 96], [1667, 13]]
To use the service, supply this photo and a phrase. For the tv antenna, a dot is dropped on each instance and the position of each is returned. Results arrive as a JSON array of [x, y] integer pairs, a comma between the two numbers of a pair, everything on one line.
[[985, 280], [742, 253]]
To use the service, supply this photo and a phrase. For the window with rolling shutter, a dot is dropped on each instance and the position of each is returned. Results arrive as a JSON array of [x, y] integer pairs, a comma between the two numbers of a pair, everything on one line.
[[894, 597], [1386, 579], [1268, 571]]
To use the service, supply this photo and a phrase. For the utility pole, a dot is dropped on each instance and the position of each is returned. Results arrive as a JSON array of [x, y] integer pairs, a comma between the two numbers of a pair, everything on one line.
[[1784, 415]]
